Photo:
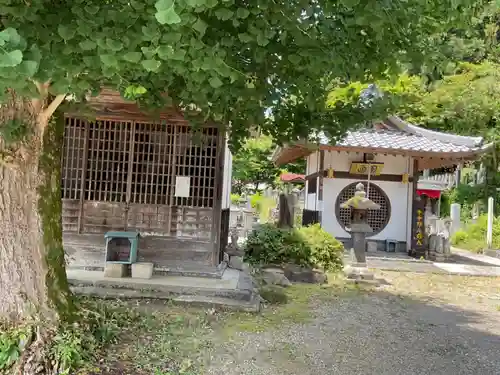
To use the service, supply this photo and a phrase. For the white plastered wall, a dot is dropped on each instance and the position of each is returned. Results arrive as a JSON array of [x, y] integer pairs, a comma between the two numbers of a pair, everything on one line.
[[226, 178], [312, 166], [399, 194]]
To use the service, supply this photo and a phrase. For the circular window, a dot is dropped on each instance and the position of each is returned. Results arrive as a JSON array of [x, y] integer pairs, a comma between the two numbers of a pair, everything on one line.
[[377, 219]]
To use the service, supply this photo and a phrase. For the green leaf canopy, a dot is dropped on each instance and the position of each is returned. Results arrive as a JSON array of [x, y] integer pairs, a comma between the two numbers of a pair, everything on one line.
[[231, 59]]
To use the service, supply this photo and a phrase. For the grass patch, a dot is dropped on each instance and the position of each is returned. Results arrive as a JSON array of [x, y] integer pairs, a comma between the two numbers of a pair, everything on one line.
[[473, 236], [300, 298], [274, 294], [165, 340], [68, 346]]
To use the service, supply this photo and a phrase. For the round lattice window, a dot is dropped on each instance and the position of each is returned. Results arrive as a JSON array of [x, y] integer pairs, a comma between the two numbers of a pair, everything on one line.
[[377, 219]]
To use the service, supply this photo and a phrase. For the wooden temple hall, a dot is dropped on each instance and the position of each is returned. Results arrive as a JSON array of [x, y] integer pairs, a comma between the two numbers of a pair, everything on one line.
[[156, 180], [388, 158]]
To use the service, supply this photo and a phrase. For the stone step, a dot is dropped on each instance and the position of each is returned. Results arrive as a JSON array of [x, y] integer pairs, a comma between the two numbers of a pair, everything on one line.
[[233, 285], [252, 305], [188, 269], [191, 270]]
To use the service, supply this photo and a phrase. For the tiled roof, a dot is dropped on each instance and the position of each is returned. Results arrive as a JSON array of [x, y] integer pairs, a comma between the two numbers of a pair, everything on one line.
[[399, 140], [392, 134], [289, 177]]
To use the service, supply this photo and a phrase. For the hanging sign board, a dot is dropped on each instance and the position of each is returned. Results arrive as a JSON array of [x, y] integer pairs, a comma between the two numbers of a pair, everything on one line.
[[418, 225], [182, 186], [375, 169]]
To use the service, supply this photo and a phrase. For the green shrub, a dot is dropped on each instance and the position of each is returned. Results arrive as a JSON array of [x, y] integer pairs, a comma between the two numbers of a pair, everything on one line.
[[326, 251], [10, 344], [255, 200], [263, 205], [473, 236], [235, 198], [445, 206], [268, 244], [307, 246], [459, 237]]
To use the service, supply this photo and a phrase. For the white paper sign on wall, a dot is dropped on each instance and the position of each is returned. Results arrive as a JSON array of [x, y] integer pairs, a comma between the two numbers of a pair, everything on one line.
[[182, 185]]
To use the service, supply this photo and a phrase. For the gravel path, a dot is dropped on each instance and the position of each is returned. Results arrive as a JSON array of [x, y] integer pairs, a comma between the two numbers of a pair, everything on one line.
[[419, 324]]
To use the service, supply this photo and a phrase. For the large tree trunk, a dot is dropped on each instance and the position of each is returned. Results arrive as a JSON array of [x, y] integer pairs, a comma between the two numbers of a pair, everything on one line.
[[33, 280]]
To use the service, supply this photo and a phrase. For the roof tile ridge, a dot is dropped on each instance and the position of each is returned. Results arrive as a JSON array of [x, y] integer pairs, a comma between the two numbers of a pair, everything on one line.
[[459, 140]]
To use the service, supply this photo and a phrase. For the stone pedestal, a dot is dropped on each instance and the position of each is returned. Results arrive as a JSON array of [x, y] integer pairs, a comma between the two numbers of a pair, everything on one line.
[[357, 271], [142, 270], [359, 247], [115, 270]]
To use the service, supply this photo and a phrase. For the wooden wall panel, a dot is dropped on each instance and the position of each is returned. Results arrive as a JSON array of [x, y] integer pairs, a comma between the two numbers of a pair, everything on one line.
[[101, 217], [88, 250], [119, 174], [70, 213]]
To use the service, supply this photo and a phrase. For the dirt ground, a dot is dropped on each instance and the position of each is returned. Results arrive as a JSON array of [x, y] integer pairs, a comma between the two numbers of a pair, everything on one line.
[[412, 323]]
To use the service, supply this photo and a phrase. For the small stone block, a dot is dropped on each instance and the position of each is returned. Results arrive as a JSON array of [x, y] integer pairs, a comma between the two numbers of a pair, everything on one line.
[[236, 262], [142, 270], [371, 247], [115, 270], [358, 273]]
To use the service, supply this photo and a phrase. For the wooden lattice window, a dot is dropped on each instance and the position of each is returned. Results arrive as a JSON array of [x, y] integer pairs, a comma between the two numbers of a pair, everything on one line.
[[137, 162], [73, 158], [196, 156], [377, 219], [151, 171], [107, 161]]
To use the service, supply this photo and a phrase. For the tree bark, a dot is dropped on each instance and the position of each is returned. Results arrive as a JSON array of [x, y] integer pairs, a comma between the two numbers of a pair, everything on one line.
[[33, 281]]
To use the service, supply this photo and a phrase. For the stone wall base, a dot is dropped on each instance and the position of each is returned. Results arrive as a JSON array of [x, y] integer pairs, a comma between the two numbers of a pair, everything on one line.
[[374, 245], [438, 257]]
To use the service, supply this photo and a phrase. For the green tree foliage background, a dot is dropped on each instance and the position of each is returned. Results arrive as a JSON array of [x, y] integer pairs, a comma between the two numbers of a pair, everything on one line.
[[252, 164], [459, 94], [226, 60]]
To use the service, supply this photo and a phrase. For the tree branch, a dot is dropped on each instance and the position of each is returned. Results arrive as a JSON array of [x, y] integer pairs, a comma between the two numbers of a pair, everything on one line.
[[44, 116], [51, 108]]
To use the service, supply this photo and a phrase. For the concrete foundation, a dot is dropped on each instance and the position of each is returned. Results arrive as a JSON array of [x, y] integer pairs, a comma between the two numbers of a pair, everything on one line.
[[115, 270], [235, 289], [142, 270]]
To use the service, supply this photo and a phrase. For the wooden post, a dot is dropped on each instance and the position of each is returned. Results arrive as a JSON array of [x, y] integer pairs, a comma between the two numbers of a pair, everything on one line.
[[172, 173], [285, 219], [418, 225], [217, 207], [83, 177], [129, 173], [319, 198]]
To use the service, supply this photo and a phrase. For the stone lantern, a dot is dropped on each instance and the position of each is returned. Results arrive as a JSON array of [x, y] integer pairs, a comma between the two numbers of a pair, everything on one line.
[[359, 228]]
